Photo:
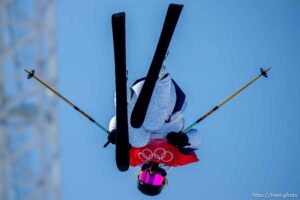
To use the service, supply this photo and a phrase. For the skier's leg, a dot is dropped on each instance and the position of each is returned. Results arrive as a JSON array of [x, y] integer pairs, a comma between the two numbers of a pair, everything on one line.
[[162, 74], [138, 137]]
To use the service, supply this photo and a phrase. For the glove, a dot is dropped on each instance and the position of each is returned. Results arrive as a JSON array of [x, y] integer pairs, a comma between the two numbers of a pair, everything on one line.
[[178, 139], [111, 138]]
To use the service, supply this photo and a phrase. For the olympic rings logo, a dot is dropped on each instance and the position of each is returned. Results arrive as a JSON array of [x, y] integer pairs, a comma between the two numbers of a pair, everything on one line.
[[160, 154]]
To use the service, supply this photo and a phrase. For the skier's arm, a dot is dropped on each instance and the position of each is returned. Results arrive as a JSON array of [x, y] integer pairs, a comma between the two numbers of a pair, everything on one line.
[[111, 137], [194, 138], [112, 123], [190, 139]]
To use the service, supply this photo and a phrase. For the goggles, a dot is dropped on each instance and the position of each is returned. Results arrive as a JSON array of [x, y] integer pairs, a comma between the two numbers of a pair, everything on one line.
[[151, 179]]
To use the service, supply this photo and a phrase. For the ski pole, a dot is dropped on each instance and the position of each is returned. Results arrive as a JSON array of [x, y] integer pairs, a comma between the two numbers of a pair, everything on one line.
[[32, 75], [262, 73]]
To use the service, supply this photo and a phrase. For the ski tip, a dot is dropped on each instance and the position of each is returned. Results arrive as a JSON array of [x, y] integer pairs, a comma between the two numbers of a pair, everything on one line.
[[123, 168], [119, 14], [122, 159], [176, 5], [136, 122]]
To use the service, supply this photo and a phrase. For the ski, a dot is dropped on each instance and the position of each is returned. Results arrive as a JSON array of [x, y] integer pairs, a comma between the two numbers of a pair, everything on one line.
[[122, 142], [141, 106]]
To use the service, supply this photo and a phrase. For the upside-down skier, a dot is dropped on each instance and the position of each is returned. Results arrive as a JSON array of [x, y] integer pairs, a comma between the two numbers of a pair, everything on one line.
[[152, 176], [154, 138], [159, 142]]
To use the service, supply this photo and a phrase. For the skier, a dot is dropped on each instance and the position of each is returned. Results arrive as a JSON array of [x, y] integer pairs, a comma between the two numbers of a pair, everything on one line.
[[162, 148], [159, 142]]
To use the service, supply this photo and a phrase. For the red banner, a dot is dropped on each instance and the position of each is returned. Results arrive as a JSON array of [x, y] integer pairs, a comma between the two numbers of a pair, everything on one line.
[[159, 151]]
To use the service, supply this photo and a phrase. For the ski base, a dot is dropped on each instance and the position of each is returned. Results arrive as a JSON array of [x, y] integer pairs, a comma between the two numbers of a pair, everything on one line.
[[141, 106], [122, 141]]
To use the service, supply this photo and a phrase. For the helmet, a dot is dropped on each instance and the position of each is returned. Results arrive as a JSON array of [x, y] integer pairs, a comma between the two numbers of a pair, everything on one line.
[[151, 180]]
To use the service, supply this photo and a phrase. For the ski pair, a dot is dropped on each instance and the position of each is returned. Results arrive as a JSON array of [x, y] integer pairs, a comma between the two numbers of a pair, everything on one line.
[[141, 106]]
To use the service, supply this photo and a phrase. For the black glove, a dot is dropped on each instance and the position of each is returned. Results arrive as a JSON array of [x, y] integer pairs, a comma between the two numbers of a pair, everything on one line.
[[111, 138], [178, 139]]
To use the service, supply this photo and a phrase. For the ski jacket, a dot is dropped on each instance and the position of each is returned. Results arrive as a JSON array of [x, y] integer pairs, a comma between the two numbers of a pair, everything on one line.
[[164, 113]]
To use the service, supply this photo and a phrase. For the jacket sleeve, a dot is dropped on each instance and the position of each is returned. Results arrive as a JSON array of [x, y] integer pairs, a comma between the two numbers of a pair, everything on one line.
[[194, 138], [112, 123]]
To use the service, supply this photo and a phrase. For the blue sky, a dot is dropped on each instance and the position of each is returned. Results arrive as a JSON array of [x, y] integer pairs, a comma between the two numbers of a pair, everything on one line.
[[249, 145]]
